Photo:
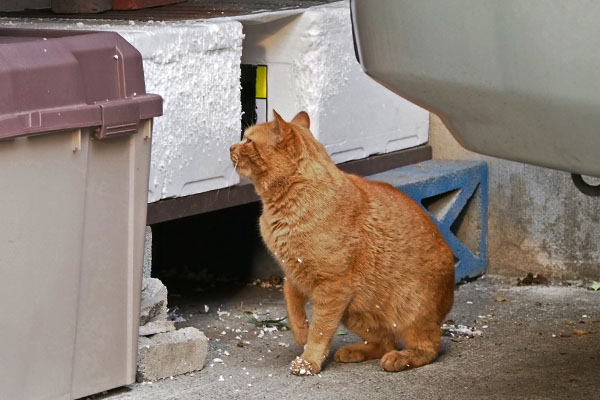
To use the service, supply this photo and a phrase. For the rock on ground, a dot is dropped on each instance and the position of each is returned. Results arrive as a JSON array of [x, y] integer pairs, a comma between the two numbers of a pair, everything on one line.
[[171, 353], [154, 301]]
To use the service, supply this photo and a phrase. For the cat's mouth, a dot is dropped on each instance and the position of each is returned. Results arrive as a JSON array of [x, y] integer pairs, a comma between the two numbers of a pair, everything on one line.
[[234, 156], [236, 165]]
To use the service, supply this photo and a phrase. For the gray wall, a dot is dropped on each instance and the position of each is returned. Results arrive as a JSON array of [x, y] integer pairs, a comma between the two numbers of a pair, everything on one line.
[[538, 221]]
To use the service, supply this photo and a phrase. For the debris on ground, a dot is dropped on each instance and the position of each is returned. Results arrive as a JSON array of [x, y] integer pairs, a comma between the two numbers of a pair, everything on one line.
[[270, 282], [581, 332], [595, 286], [301, 367], [576, 332], [453, 330], [174, 315], [571, 283], [501, 299], [531, 279], [269, 323], [221, 313]]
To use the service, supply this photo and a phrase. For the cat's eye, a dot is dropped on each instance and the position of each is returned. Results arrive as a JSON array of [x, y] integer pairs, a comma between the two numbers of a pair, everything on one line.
[[248, 140]]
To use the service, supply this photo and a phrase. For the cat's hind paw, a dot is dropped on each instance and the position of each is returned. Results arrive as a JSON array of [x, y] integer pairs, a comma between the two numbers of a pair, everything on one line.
[[349, 354], [395, 361], [302, 367]]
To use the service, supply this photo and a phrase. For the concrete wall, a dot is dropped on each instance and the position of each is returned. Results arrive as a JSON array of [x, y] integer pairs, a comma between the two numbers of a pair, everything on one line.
[[538, 221]]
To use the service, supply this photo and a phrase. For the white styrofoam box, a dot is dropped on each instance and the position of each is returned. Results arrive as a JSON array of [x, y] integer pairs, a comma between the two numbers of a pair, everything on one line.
[[195, 67], [312, 67]]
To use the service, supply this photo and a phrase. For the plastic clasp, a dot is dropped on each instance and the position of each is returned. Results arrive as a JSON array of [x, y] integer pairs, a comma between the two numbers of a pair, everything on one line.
[[119, 118]]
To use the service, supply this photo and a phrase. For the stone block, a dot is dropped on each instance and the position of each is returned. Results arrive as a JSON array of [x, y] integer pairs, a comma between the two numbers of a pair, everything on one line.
[[172, 353], [148, 253], [154, 301]]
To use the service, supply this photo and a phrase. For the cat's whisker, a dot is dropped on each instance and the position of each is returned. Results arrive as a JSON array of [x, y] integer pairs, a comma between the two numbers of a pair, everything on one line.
[[234, 171]]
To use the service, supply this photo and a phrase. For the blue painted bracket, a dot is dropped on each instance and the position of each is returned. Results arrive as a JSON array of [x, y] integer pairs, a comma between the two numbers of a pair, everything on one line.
[[459, 181]]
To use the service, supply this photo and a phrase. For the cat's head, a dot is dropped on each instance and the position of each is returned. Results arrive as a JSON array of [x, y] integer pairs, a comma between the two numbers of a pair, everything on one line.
[[272, 151]]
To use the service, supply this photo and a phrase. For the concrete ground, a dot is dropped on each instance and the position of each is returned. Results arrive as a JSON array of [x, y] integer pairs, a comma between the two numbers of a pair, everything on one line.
[[526, 350]]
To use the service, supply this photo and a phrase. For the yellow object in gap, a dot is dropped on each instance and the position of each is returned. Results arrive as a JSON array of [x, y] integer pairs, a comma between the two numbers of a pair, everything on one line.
[[261, 82]]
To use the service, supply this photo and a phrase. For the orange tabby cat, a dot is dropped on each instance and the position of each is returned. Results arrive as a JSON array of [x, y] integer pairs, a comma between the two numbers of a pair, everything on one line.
[[363, 252]]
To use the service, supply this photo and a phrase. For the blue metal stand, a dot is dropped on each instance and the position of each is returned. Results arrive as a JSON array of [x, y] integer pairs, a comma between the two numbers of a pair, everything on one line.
[[446, 190]]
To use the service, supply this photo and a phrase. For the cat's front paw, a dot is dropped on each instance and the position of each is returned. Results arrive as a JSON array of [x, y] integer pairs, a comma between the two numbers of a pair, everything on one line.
[[302, 367]]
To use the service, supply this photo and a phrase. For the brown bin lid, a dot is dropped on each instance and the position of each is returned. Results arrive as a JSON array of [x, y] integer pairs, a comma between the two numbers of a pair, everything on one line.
[[54, 80]]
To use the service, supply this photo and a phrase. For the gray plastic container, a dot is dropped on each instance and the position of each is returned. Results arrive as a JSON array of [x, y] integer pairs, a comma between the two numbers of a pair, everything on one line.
[[75, 138], [512, 79]]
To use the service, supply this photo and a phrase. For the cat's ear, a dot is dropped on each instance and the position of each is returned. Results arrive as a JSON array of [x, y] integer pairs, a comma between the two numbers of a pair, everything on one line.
[[281, 128], [279, 123], [302, 119], [283, 132]]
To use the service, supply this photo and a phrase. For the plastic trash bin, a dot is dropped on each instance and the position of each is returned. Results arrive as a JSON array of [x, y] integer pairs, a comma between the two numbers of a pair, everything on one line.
[[75, 137]]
